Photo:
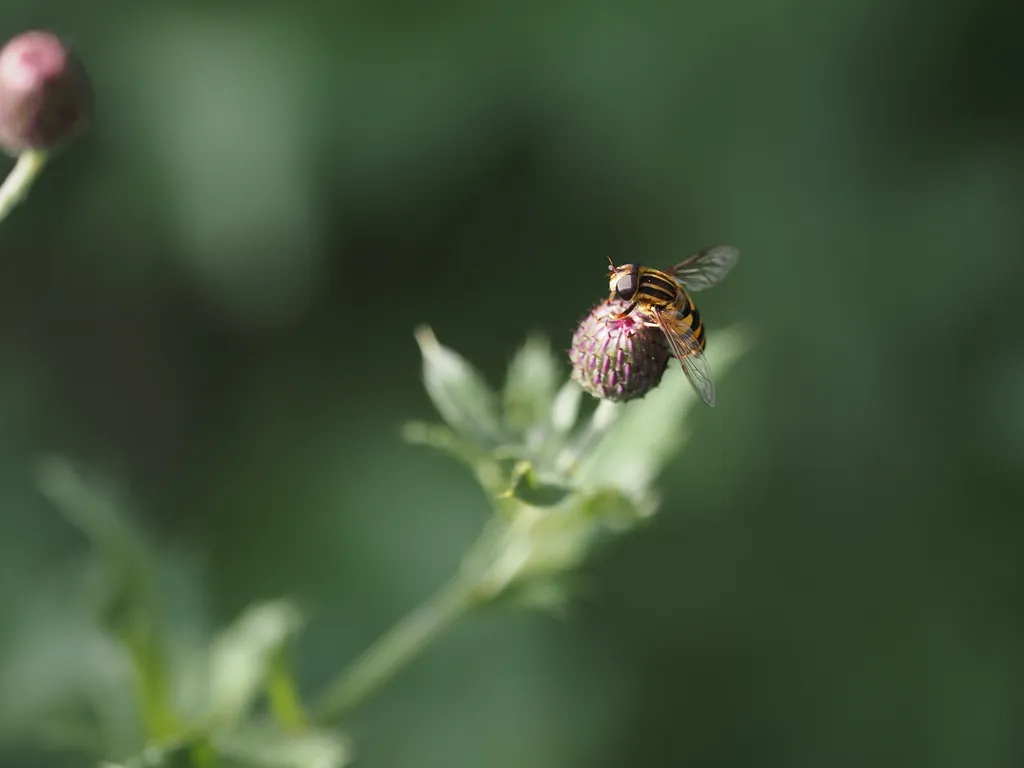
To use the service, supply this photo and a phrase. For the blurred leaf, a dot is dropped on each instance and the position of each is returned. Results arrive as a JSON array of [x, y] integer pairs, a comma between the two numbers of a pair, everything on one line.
[[130, 607], [586, 438], [93, 509], [550, 595], [185, 627], [443, 439], [178, 754], [459, 392], [266, 747], [151, 602], [557, 539], [533, 542], [81, 699], [488, 473], [531, 385], [634, 447], [535, 490], [240, 657], [614, 509], [566, 407]]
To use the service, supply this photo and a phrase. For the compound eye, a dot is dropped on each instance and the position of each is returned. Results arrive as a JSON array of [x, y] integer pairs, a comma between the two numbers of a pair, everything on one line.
[[626, 287]]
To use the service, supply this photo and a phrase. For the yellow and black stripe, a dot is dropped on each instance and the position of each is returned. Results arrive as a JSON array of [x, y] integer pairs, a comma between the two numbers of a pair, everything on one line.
[[688, 315], [656, 289], [659, 291]]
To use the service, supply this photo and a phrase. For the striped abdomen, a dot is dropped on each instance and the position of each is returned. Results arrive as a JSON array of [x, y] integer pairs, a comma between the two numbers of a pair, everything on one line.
[[659, 291], [689, 316]]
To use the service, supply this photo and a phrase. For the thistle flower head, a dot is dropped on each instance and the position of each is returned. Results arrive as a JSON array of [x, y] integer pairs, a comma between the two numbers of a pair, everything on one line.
[[44, 94], [617, 359]]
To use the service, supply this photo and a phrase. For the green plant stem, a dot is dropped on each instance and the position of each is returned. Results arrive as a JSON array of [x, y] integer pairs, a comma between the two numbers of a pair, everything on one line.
[[395, 649], [21, 178], [160, 720], [281, 693]]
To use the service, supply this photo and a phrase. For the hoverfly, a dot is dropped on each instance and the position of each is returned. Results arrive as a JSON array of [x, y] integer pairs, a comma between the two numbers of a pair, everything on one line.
[[661, 300]]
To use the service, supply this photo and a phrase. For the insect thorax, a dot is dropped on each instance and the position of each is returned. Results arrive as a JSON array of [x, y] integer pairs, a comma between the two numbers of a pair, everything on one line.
[[659, 289]]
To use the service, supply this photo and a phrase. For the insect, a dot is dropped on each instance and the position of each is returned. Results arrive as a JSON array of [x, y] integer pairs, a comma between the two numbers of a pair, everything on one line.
[[662, 300]]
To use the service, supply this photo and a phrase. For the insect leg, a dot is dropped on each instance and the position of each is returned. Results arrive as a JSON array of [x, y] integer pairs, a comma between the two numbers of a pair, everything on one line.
[[624, 314]]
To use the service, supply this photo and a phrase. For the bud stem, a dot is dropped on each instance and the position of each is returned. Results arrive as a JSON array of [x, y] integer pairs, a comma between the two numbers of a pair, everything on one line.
[[396, 648], [21, 178], [282, 696]]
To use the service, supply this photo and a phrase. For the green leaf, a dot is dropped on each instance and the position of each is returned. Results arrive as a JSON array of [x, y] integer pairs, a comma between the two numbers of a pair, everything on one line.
[[531, 385], [539, 491], [150, 602], [487, 471], [43, 686], [565, 408], [634, 448], [616, 511], [93, 508], [177, 754], [441, 438], [551, 595], [566, 462], [240, 657], [257, 746], [131, 603], [459, 392], [531, 542]]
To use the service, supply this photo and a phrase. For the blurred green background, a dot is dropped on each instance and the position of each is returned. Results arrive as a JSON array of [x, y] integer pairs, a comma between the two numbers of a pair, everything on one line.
[[211, 298]]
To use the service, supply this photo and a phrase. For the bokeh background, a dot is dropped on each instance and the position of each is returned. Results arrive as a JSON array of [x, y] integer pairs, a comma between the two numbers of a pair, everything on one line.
[[211, 299]]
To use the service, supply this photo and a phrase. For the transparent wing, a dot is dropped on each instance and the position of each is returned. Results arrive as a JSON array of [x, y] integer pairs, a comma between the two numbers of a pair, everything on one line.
[[706, 267], [687, 351]]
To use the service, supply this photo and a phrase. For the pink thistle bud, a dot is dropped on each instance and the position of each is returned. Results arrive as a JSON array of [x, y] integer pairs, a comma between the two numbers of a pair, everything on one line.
[[617, 360], [45, 98]]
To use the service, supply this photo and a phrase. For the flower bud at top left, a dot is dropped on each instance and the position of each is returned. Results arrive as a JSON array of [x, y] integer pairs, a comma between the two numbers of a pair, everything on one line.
[[45, 97]]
